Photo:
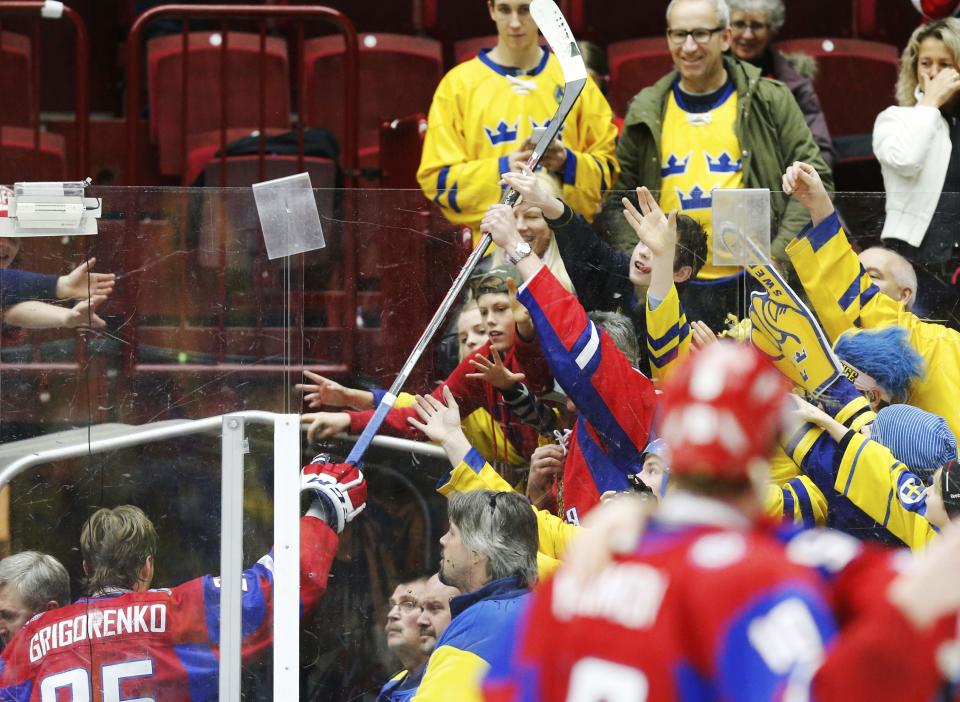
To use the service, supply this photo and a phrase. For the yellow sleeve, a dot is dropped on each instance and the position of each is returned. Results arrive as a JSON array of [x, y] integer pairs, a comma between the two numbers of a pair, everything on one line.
[[668, 335], [452, 674], [461, 185], [868, 477], [487, 436], [841, 292], [797, 500], [844, 298], [591, 167], [474, 473]]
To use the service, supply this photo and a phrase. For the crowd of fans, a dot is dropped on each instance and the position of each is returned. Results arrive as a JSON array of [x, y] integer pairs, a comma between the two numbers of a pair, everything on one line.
[[657, 439]]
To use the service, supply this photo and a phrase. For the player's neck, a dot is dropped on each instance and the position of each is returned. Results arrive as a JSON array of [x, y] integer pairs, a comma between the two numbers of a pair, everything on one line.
[[526, 58], [705, 85]]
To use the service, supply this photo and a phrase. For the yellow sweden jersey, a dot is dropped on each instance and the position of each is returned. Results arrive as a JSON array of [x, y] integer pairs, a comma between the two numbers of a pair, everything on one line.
[[700, 151], [481, 112]]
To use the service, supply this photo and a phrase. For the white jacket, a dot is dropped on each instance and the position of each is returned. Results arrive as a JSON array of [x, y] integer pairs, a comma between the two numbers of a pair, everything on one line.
[[913, 147]]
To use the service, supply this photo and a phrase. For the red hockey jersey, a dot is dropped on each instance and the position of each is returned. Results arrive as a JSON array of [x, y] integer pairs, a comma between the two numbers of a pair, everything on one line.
[[160, 645], [721, 610], [615, 401]]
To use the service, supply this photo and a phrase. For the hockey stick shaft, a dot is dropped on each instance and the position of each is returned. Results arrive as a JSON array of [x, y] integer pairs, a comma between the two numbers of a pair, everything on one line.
[[562, 45]]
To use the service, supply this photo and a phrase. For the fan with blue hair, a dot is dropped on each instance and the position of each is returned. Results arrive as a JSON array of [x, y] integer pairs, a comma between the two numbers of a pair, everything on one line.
[[885, 361]]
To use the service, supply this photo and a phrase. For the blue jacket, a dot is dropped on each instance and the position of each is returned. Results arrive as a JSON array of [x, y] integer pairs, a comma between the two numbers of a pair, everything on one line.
[[17, 286], [480, 621]]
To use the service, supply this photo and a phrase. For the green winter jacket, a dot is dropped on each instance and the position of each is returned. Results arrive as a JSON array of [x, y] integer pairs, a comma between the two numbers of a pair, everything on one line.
[[772, 132]]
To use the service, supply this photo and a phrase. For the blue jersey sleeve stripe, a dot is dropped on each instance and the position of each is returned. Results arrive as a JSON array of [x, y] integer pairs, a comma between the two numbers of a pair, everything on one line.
[[603, 178], [452, 198], [806, 505], [474, 460], [788, 506], [853, 468], [201, 667], [853, 291], [441, 184], [656, 344], [868, 295], [663, 360], [822, 233], [570, 169]]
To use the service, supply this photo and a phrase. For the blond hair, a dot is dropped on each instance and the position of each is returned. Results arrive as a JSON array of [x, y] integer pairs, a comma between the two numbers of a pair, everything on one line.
[[947, 31], [551, 257], [115, 544]]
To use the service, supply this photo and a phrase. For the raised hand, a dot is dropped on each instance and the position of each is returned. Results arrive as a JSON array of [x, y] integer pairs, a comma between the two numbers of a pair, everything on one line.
[[323, 425], [501, 224], [940, 89], [802, 182], [83, 314], [324, 391], [494, 372], [75, 285], [656, 231], [521, 315], [701, 335], [528, 185], [546, 464], [438, 420]]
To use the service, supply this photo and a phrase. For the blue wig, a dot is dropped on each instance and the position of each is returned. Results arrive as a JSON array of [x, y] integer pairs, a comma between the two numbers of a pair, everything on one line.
[[886, 355]]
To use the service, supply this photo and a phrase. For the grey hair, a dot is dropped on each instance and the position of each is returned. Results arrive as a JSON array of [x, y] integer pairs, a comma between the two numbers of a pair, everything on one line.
[[903, 274], [774, 10], [722, 9], [621, 332], [38, 577], [502, 527]]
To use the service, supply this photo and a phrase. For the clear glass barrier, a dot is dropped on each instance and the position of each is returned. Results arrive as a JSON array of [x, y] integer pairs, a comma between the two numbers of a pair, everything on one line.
[[201, 324]]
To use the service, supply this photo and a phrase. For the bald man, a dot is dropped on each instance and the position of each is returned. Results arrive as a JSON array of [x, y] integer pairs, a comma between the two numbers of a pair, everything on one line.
[[892, 273]]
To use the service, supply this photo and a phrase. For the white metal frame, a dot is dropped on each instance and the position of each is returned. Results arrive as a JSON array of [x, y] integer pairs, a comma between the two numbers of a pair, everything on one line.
[[286, 527]]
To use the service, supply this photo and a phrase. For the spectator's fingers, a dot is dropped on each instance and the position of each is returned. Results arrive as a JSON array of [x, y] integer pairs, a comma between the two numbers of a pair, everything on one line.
[[434, 403], [417, 424], [421, 410]]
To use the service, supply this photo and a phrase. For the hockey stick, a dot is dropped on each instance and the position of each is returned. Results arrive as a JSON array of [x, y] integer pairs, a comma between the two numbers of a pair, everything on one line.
[[553, 26]]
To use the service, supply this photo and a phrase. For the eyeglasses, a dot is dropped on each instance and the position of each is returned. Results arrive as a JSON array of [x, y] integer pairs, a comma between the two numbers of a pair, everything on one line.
[[701, 36], [741, 26], [406, 606]]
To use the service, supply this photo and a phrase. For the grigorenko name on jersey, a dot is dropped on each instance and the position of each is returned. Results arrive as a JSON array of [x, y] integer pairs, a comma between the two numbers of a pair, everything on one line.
[[99, 624]]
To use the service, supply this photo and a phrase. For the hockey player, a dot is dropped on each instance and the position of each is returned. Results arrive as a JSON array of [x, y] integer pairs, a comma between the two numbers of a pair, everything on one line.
[[482, 121], [614, 399], [709, 604], [126, 641]]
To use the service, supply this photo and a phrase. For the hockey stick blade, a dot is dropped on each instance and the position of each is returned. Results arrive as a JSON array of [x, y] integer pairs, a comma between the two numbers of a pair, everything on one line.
[[555, 30]]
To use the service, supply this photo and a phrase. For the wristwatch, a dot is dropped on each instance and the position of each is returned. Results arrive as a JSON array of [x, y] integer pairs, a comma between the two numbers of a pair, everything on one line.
[[520, 252]]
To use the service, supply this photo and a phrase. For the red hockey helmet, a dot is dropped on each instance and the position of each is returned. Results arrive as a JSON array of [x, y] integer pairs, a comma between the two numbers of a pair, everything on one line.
[[936, 9], [722, 408]]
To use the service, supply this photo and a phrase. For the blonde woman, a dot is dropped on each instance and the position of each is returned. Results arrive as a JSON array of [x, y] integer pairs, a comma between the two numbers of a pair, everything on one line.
[[916, 144]]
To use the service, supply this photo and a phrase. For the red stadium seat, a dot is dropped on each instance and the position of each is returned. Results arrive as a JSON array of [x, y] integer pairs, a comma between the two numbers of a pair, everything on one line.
[[855, 80], [466, 49], [635, 64], [16, 81], [401, 143], [614, 20], [20, 161], [164, 69], [396, 16], [452, 20], [398, 75]]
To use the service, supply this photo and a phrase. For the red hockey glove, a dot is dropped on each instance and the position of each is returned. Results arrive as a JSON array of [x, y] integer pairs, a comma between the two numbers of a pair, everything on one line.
[[339, 489]]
